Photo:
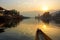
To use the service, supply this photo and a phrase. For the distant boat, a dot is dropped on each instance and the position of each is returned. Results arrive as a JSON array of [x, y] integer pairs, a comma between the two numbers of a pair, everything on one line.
[[41, 36]]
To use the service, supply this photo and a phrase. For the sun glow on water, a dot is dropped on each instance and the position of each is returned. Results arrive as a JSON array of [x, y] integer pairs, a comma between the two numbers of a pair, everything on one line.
[[44, 26]]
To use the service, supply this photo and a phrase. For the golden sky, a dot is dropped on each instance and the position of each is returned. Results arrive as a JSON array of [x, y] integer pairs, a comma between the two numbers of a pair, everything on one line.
[[30, 5]]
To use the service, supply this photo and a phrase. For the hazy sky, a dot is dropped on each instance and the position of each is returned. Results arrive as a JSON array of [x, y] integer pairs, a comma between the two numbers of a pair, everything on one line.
[[30, 5]]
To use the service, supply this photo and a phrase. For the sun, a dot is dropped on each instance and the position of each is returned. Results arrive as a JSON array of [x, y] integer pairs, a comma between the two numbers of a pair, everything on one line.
[[45, 8]]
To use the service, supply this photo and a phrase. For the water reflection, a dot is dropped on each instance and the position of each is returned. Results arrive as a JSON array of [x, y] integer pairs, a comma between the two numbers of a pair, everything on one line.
[[8, 24], [1, 30], [51, 29], [26, 29], [55, 24]]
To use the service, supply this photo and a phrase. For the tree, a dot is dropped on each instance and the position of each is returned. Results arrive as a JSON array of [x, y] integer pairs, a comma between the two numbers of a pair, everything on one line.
[[2, 8], [15, 12]]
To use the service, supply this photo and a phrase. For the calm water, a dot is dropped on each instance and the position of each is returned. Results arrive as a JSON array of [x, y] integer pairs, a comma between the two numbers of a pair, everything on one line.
[[26, 30]]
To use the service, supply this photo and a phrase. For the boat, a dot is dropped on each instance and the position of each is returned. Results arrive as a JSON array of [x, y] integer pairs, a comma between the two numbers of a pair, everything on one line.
[[41, 36]]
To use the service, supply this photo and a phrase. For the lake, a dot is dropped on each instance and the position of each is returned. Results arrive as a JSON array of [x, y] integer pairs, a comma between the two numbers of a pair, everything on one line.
[[26, 30]]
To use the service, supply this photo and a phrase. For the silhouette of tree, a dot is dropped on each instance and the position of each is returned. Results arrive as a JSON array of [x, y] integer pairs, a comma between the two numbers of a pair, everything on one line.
[[2, 8], [15, 12], [57, 14], [46, 17], [56, 17]]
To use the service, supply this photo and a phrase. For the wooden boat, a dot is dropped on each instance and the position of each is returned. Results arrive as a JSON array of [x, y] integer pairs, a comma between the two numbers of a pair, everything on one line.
[[41, 36]]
